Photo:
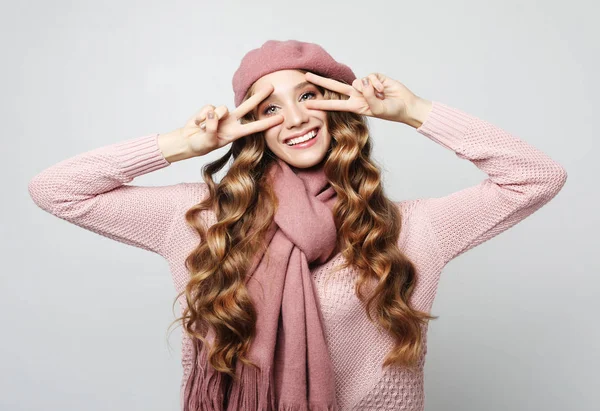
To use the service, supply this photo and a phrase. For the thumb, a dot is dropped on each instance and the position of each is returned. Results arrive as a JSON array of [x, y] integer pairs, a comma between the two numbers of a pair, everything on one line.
[[368, 92], [222, 112]]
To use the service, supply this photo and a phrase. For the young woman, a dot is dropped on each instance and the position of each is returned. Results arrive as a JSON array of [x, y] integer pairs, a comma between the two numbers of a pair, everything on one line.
[[301, 285]]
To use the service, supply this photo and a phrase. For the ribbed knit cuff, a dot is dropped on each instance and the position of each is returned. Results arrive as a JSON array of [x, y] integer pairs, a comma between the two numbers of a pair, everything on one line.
[[140, 155], [446, 125]]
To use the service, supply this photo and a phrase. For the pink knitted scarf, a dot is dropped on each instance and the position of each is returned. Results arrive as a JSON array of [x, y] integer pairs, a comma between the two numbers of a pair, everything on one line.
[[290, 346]]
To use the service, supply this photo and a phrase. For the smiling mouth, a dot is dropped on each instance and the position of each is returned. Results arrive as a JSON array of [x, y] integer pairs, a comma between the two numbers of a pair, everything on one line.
[[314, 132]]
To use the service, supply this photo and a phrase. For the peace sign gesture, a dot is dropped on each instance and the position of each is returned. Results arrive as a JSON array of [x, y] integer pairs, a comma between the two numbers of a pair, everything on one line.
[[212, 128], [381, 97]]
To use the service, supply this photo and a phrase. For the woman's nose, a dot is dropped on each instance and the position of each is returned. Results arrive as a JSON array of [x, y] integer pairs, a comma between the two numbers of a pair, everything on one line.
[[296, 115]]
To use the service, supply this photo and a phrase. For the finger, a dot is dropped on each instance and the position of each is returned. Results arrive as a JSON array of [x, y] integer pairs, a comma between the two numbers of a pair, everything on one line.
[[334, 105], [253, 101], [260, 125], [357, 84], [199, 116], [212, 122], [328, 83], [369, 94], [221, 112], [376, 83], [367, 89]]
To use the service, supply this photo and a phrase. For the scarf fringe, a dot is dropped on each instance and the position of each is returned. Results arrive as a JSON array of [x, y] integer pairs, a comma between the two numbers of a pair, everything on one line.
[[204, 391], [253, 390]]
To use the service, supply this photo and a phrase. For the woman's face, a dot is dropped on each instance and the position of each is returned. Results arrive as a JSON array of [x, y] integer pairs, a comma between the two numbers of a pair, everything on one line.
[[290, 92]]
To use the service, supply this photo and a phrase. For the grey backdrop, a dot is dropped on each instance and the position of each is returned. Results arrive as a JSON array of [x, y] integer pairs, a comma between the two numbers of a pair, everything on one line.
[[84, 319]]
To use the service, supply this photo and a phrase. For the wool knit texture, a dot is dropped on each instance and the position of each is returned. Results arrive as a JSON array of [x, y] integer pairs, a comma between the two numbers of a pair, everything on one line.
[[91, 191]]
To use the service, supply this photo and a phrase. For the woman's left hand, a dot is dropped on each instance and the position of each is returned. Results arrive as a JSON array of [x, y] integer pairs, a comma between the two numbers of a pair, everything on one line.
[[382, 97]]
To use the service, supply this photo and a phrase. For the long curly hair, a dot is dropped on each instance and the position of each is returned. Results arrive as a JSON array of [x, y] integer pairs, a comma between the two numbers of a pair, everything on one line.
[[368, 224]]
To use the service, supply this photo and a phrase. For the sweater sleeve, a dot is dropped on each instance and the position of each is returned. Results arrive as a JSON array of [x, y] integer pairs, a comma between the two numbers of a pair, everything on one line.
[[89, 190], [521, 179]]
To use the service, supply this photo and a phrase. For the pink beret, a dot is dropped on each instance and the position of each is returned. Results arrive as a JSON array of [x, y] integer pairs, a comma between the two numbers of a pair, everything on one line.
[[277, 55]]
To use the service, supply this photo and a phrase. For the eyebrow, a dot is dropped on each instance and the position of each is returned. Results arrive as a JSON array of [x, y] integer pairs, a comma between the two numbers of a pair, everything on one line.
[[296, 87]]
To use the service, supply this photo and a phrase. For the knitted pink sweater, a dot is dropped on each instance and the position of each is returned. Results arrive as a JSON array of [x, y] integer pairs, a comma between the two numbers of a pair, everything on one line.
[[90, 190]]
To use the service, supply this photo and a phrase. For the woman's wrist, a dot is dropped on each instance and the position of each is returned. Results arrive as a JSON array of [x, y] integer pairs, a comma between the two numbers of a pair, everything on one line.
[[174, 147], [418, 112]]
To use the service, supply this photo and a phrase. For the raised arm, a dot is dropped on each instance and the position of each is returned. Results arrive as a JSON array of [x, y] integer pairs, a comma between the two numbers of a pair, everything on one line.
[[90, 190], [521, 179]]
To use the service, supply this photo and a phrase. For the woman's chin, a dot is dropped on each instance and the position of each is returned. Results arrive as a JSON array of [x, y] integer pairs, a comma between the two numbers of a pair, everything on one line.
[[307, 161]]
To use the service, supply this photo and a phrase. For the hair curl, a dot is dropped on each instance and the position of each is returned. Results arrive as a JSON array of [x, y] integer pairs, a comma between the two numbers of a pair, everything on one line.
[[368, 224]]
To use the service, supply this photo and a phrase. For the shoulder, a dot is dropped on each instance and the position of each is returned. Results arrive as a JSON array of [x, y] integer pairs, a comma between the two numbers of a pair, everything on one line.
[[410, 209], [192, 194], [416, 236]]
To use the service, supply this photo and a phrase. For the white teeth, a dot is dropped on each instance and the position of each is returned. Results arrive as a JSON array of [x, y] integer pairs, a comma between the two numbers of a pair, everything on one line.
[[302, 139]]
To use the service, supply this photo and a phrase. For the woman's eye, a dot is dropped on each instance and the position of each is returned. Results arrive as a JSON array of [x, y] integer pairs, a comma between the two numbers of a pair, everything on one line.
[[267, 109], [310, 93]]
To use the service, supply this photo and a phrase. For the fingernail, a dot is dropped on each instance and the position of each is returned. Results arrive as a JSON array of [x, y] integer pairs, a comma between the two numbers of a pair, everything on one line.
[[210, 115], [365, 81]]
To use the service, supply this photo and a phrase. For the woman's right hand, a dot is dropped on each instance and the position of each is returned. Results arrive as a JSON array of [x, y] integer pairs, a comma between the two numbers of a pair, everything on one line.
[[203, 134]]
